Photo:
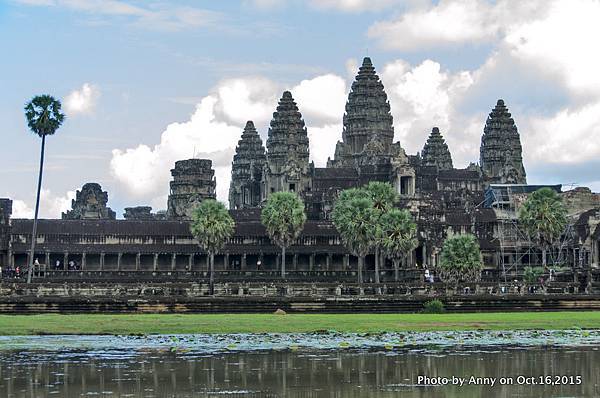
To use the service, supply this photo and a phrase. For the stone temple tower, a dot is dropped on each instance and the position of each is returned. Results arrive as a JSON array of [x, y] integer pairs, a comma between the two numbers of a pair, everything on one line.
[[367, 119], [193, 181], [90, 203], [436, 152], [246, 170], [287, 167], [501, 158]]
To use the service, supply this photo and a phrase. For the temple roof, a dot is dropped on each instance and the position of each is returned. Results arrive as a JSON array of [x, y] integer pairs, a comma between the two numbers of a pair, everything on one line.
[[368, 113], [249, 150], [436, 152]]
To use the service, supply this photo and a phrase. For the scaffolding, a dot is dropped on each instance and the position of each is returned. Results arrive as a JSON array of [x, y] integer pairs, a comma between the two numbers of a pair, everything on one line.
[[516, 247]]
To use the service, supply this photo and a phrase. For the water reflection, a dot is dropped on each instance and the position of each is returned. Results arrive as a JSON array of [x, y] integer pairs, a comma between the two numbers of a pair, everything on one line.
[[340, 373]]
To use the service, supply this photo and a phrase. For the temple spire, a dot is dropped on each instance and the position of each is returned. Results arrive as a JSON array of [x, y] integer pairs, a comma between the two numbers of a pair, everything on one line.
[[436, 152], [246, 169], [501, 153], [367, 117]]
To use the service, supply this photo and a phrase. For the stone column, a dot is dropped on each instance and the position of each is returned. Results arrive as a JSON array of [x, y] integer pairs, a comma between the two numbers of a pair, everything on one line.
[[83, 260], [190, 262], [328, 262], [119, 256], [173, 261], [346, 261], [311, 262], [102, 261], [138, 261], [226, 262], [295, 262], [155, 263], [65, 261], [48, 265], [244, 264]]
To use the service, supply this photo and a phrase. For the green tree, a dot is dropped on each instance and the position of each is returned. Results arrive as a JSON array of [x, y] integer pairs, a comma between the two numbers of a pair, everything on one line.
[[384, 198], [354, 218], [43, 119], [399, 236], [212, 226], [283, 216], [544, 217], [460, 259]]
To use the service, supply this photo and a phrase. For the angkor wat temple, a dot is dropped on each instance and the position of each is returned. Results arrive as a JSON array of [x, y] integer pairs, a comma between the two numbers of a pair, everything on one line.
[[482, 199]]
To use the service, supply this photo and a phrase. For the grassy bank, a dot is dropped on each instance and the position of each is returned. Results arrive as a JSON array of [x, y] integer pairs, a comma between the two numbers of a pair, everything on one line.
[[261, 323]]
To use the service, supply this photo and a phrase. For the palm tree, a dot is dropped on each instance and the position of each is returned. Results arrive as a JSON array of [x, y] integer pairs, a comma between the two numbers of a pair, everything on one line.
[[283, 216], [544, 218], [43, 118], [384, 198], [354, 218], [399, 236], [460, 259], [212, 226]]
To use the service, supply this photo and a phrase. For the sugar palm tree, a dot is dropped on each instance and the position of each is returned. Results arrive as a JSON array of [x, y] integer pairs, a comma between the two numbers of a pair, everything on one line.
[[283, 216], [384, 198], [43, 119], [212, 226], [355, 218], [544, 218], [460, 259], [399, 236]]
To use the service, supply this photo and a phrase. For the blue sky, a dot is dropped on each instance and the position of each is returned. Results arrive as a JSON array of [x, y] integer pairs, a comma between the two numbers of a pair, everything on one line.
[[145, 83]]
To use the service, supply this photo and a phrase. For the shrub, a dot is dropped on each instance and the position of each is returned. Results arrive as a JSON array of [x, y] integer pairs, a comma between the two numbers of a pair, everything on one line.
[[433, 307], [532, 274]]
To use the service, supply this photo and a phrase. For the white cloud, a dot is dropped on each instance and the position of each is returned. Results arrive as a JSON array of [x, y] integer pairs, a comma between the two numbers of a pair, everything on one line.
[[51, 206], [83, 100], [453, 22], [161, 15], [216, 126], [355, 5], [321, 100]]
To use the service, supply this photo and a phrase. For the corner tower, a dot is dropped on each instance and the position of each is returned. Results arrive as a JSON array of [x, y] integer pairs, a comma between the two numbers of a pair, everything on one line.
[[367, 120], [193, 181], [287, 167], [436, 152], [501, 157], [246, 169]]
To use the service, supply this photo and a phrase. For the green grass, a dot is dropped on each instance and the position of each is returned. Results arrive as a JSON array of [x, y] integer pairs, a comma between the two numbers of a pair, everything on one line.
[[262, 323]]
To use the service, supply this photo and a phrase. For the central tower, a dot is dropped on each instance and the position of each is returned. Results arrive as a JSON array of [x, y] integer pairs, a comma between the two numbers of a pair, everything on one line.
[[368, 122]]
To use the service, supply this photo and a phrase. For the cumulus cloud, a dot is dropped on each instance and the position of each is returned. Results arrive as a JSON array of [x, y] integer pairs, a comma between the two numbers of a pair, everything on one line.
[[83, 100], [51, 205], [215, 127]]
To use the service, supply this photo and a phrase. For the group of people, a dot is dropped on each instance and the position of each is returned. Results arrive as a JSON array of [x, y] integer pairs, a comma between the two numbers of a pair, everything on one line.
[[71, 266], [12, 272]]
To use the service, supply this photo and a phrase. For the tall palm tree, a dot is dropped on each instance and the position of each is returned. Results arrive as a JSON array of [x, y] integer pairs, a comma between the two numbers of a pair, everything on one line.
[[355, 218], [544, 218], [384, 198], [283, 216], [43, 118], [460, 260], [399, 236], [212, 226]]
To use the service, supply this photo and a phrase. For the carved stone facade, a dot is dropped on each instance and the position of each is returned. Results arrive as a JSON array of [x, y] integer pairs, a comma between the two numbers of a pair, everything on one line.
[[501, 152], [193, 181], [287, 167], [436, 152], [140, 213], [247, 170], [90, 203]]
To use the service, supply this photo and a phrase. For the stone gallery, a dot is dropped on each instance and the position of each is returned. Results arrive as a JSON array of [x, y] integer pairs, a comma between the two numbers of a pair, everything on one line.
[[482, 199]]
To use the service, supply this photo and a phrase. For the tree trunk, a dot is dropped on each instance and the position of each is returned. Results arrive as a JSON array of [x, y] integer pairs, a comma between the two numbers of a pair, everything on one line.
[[544, 258], [361, 261], [211, 274], [396, 270], [35, 218], [377, 265], [283, 262]]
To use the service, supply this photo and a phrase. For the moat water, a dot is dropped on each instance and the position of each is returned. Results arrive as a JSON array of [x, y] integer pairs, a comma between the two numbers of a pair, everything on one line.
[[490, 364]]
